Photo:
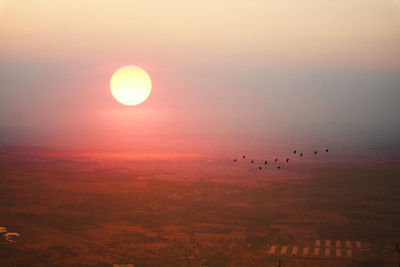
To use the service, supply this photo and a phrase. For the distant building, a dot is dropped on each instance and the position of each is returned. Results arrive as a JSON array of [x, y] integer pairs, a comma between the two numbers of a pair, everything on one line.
[[8, 236]]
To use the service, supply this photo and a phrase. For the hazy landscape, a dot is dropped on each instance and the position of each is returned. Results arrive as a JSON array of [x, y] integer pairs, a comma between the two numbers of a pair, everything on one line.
[[224, 133], [79, 209]]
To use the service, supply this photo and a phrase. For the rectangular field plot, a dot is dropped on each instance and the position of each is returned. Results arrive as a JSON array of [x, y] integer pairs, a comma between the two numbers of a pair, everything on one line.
[[272, 250], [349, 253], [329, 249], [328, 243], [327, 252], [338, 252], [316, 252]]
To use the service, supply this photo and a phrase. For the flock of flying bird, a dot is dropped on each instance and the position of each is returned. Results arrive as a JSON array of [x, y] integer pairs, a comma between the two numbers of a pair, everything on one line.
[[276, 160]]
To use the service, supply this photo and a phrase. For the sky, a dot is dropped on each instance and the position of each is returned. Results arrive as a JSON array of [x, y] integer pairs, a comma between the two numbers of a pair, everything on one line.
[[227, 76]]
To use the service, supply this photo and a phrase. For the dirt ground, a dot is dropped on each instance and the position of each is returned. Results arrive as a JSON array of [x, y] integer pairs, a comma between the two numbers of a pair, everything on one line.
[[92, 209]]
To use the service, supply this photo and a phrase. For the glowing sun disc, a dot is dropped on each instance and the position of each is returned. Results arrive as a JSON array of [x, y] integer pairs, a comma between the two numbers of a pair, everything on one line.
[[130, 85]]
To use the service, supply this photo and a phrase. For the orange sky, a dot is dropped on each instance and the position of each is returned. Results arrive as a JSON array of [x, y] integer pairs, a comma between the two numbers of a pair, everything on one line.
[[284, 30], [226, 74]]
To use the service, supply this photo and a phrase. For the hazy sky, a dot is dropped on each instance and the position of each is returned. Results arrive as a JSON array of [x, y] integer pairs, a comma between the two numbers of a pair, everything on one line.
[[227, 75]]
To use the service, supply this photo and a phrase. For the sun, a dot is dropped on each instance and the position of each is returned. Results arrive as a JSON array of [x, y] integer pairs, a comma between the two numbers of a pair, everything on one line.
[[130, 85]]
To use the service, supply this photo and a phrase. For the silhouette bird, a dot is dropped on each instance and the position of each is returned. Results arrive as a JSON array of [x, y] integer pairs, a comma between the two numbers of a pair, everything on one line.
[[301, 154], [294, 152], [279, 167], [315, 152], [287, 160], [265, 162], [252, 161], [326, 150], [234, 160], [260, 168], [276, 160], [244, 156]]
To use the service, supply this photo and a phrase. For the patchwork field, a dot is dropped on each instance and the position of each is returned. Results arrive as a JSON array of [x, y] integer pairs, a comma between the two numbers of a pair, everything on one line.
[[98, 209]]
